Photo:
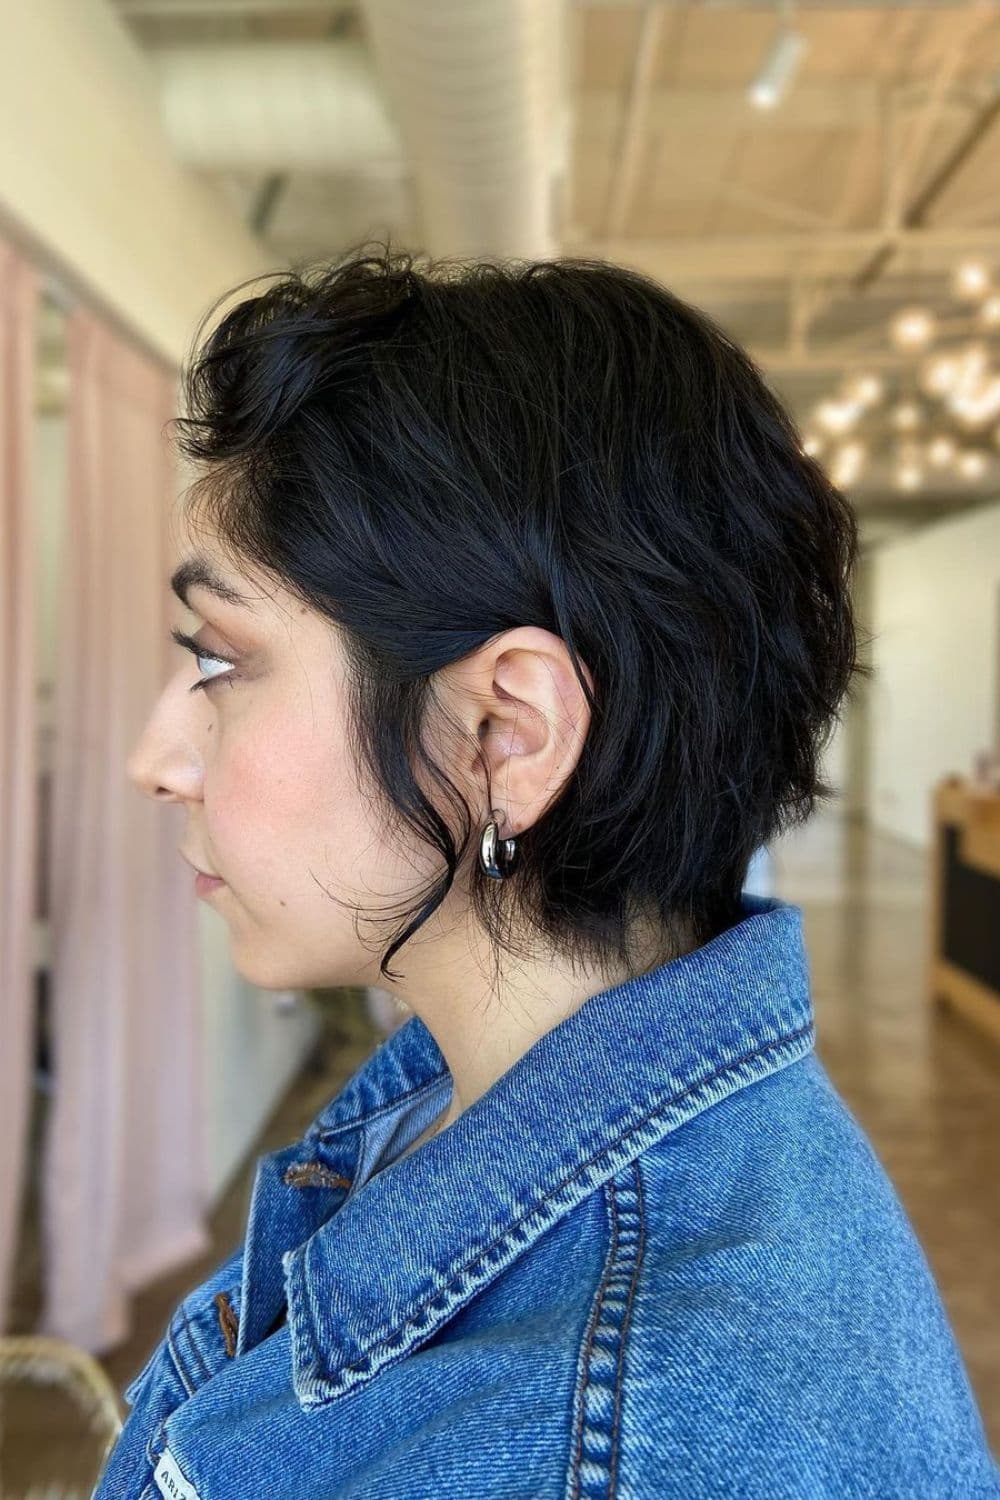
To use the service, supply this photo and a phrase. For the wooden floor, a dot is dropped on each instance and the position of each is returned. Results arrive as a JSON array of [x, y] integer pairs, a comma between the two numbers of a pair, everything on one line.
[[923, 1084]]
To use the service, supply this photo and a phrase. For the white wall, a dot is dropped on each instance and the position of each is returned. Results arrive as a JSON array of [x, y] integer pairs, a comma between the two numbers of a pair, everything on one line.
[[936, 619], [833, 764]]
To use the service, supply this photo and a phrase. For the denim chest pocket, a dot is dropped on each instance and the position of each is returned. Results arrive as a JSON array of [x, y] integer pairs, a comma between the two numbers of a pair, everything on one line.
[[202, 1337], [198, 1342]]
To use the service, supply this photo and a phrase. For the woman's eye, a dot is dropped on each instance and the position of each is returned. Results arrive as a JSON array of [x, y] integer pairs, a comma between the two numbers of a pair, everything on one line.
[[203, 656], [200, 654]]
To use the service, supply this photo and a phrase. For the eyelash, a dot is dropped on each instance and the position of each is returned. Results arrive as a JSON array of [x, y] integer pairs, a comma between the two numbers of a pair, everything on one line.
[[190, 644]]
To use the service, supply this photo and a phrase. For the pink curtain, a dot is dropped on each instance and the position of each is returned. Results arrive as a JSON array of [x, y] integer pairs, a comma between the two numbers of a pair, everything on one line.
[[19, 285], [124, 1176]]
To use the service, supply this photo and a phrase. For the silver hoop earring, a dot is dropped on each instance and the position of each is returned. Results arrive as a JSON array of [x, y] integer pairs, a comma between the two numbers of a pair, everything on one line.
[[497, 856]]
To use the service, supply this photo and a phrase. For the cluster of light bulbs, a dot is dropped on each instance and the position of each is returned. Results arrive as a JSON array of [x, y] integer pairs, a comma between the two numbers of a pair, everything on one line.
[[963, 381]]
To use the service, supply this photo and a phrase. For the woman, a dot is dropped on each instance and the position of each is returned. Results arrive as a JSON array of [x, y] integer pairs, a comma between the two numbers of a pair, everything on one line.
[[525, 621]]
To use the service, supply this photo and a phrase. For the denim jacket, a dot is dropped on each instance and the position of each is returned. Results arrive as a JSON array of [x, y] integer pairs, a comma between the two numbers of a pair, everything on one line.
[[658, 1259]]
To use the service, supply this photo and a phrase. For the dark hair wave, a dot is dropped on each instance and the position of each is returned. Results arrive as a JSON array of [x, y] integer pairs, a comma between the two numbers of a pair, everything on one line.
[[432, 457]]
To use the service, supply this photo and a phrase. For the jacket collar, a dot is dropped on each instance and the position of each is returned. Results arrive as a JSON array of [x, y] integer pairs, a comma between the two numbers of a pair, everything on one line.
[[405, 1250]]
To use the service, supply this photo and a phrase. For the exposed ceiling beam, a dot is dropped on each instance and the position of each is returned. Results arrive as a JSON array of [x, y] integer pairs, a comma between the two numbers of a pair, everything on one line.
[[916, 214], [634, 131], [813, 277], [968, 29], [816, 361], [166, 9], [681, 112], [768, 5], [774, 258], [774, 208], [266, 200]]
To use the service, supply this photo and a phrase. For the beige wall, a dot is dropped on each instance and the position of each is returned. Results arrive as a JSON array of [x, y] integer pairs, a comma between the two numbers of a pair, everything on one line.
[[86, 174]]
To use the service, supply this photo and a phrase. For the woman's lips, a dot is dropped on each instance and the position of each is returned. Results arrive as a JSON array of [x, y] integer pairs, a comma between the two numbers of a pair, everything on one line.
[[204, 884]]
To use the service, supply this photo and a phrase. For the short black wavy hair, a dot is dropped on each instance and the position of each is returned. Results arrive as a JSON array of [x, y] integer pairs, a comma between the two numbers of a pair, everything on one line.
[[430, 457]]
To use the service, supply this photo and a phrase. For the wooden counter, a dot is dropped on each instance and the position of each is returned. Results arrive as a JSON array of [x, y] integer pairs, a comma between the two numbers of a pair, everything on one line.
[[964, 966]]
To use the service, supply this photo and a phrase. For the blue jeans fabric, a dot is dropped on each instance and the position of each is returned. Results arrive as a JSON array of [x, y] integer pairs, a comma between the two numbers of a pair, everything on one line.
[[658, 1258]]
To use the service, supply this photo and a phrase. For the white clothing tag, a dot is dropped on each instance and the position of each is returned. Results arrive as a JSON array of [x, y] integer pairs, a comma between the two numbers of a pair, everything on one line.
[[171, 1481]]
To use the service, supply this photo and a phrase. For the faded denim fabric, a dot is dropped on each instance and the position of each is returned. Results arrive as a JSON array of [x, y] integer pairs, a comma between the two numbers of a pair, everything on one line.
[[658, 1260]]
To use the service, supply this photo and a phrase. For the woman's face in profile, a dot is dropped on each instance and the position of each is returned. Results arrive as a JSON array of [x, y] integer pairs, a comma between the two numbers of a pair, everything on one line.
[[259, 756]]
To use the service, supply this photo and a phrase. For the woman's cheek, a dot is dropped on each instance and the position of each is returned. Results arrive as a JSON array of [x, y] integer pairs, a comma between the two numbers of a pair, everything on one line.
[[240, 800]]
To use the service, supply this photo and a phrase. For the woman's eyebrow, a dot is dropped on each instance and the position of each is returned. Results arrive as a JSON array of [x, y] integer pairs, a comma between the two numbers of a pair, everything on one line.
[[199, 572]]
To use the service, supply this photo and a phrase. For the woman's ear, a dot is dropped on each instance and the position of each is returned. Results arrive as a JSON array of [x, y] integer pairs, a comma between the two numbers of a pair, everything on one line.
[[520, 701]]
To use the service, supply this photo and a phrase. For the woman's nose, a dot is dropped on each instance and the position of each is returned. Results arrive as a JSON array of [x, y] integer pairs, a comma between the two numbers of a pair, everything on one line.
[[149, 774], [164, 763]]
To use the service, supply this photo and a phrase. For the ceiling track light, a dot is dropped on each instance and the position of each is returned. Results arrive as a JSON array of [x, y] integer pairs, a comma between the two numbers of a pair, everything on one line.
[[779, 67]]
